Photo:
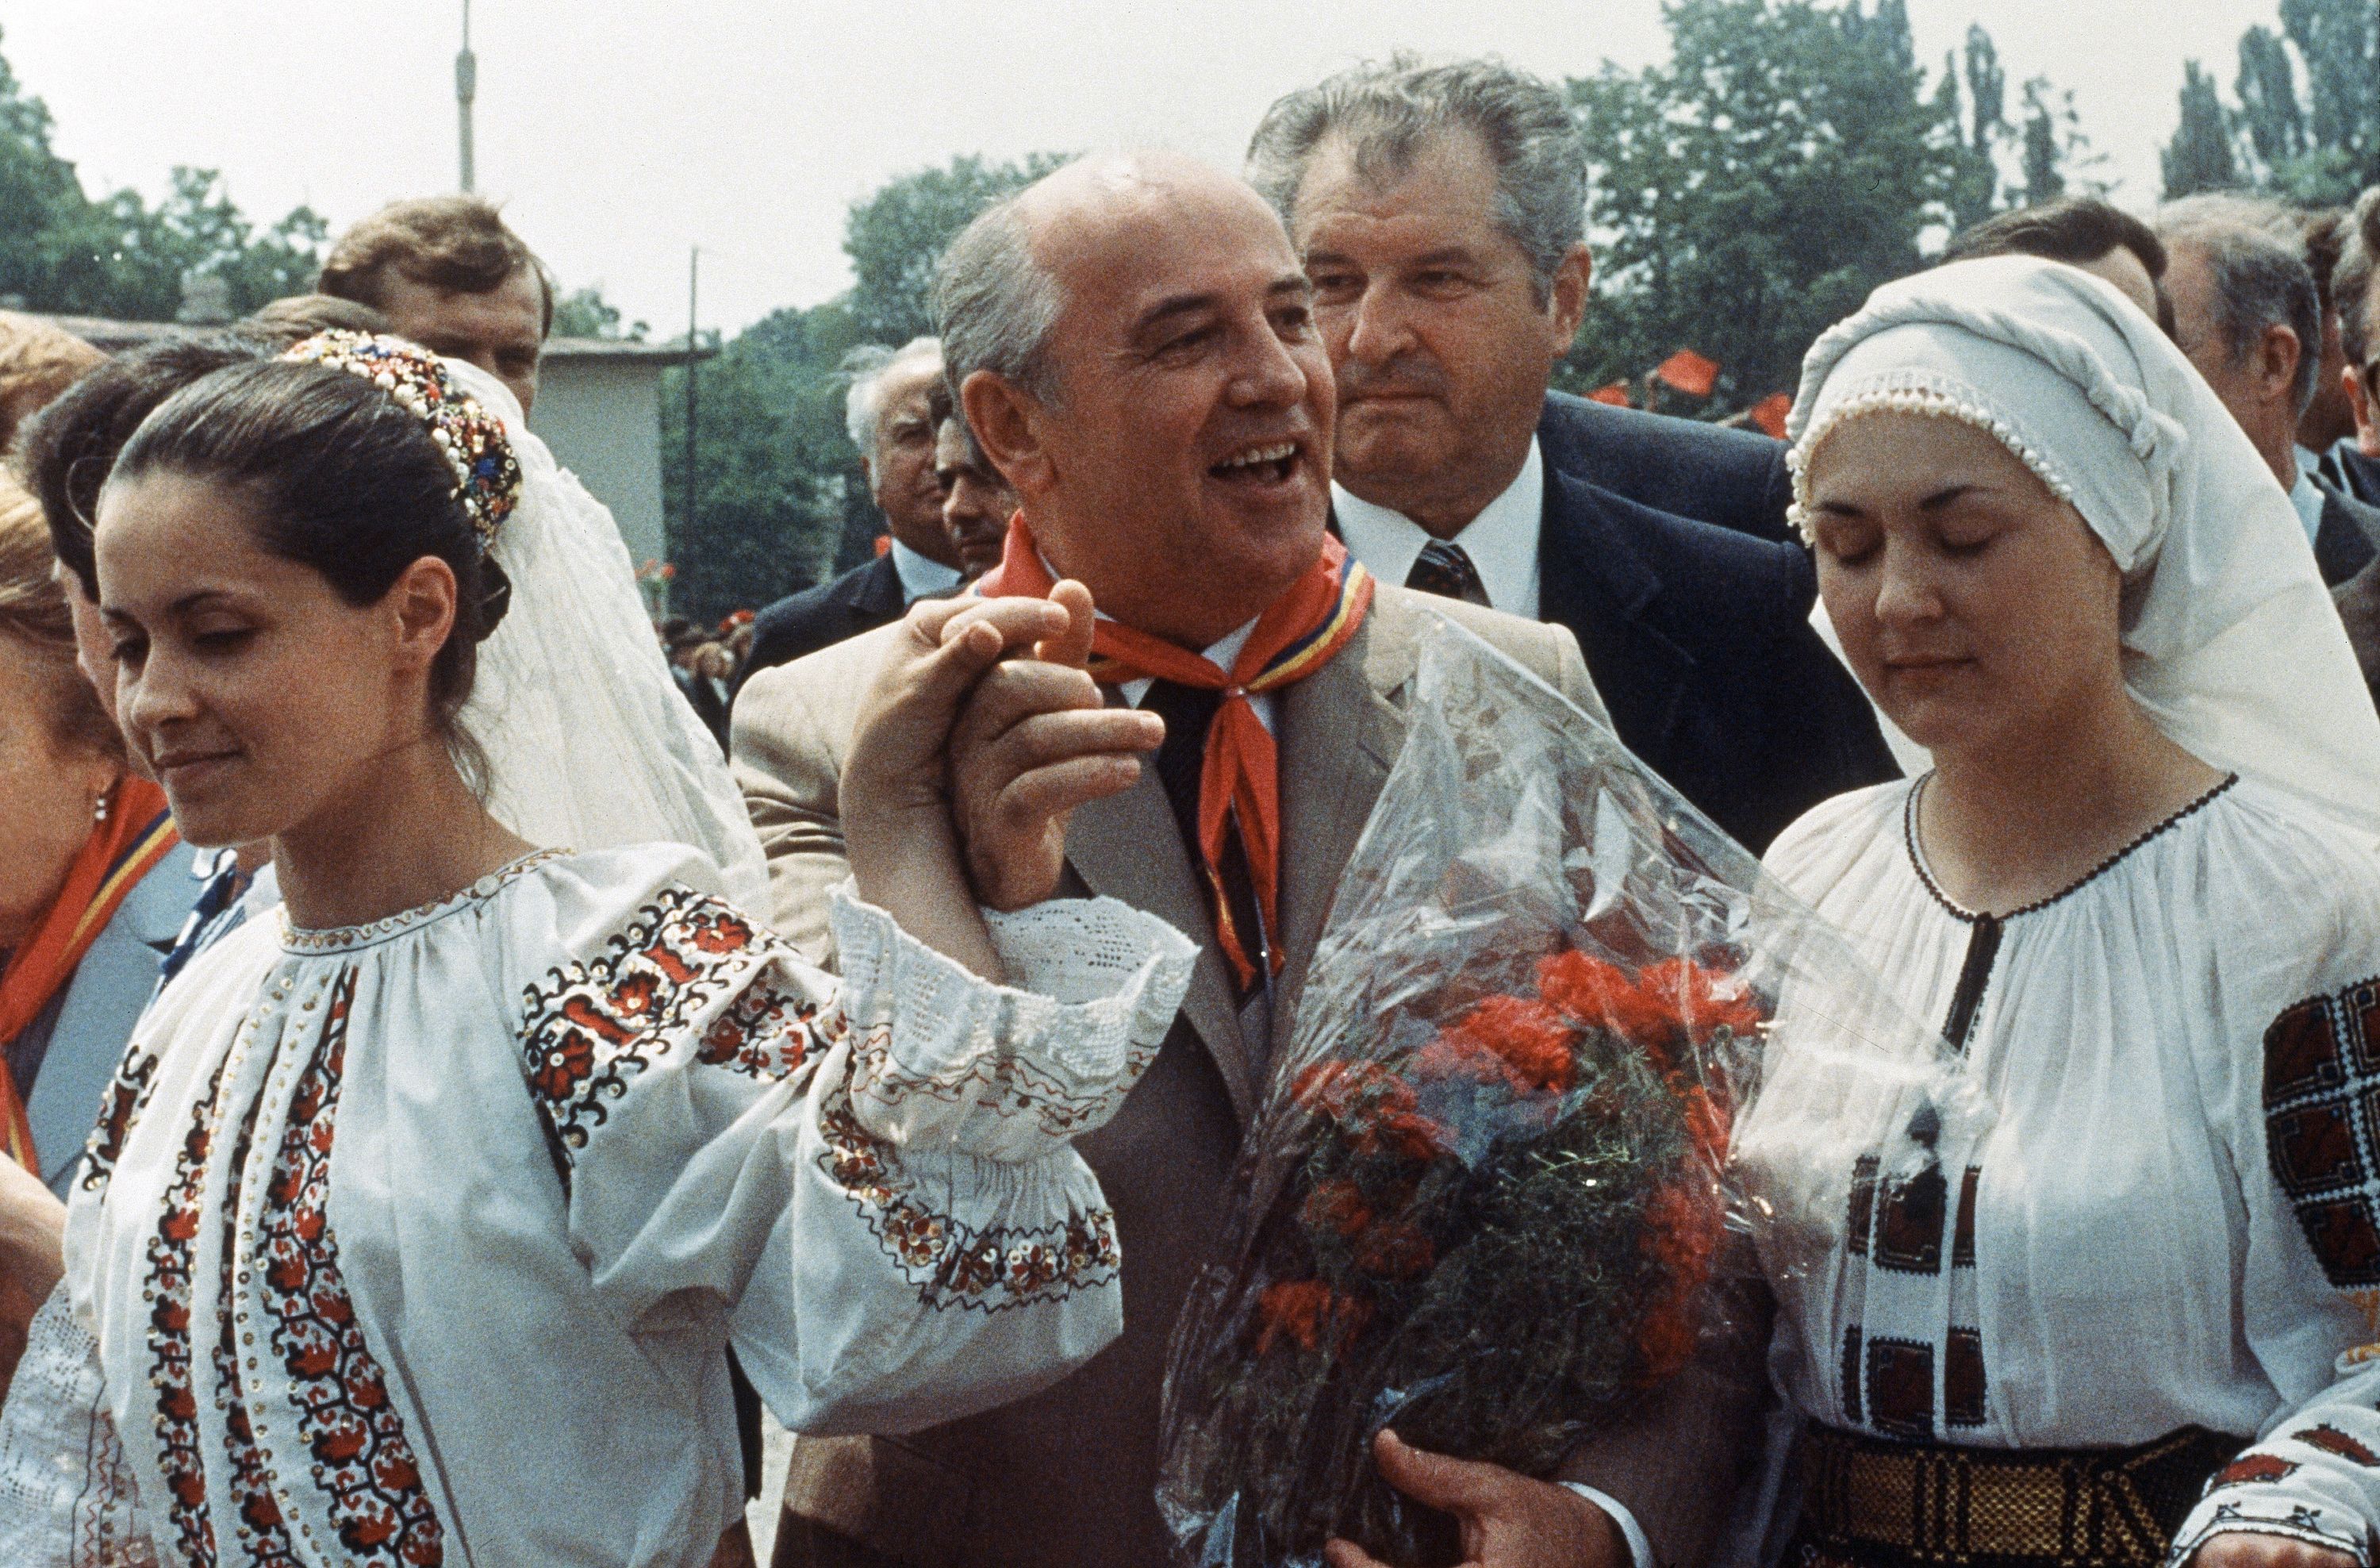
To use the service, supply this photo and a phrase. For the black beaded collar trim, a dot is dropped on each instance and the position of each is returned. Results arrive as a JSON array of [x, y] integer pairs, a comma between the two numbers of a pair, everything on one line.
[[1918, 857]]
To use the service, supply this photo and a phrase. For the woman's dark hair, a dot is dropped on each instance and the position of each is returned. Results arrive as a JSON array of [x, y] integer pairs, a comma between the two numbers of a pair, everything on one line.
[[64, 452], [343, 479]]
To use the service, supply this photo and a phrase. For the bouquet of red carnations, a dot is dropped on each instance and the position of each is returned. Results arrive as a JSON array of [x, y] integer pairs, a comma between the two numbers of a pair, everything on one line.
[[1492, 1200]]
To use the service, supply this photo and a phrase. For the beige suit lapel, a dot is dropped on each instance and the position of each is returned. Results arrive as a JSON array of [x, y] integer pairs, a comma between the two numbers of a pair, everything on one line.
[[1340, 734], [1128, 848]]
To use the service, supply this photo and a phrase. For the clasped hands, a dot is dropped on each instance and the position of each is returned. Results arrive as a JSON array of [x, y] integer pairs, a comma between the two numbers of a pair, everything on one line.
[[980, 737]]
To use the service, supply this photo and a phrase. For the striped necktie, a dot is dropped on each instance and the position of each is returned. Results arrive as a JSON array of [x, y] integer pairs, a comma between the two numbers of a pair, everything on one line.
[[1445, 570]]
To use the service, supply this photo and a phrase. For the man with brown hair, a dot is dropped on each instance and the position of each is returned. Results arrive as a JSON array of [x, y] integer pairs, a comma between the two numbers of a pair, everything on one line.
[[451, 276]]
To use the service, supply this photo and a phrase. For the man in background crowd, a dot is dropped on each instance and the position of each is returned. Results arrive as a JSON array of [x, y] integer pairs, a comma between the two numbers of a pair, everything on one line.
[[700, 667], [37, 362], [2248, 316], [976, 502], [448, 273], [2081, 231], [1440, 213], [297, 317], [2353, 465], [889, 414], [2321, 235]]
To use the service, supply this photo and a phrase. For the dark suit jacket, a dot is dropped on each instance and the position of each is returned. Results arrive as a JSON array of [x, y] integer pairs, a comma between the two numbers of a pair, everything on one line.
[[2346, 537], [2346, 469], [1734, 479], [1699, 641], [860, 601]]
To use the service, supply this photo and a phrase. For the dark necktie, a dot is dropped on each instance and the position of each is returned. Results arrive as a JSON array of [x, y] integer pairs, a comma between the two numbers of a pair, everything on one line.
[[1444, 569], [1187, 712]]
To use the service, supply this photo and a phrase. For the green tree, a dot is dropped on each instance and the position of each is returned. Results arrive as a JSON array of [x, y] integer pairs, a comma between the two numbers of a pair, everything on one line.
[[776, 476], [2267, 86], [584, 312], [2055, 154], [781, 501], [1752, 190], [2307, 126], [2201, 156], [63, 250], [895, 236], [1975, 184]]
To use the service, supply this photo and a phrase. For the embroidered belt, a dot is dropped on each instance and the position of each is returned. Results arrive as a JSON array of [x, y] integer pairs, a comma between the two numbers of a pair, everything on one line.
[[1874, 1502]]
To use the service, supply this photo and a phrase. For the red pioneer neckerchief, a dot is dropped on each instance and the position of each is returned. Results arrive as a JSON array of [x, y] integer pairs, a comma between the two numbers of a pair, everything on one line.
[[1240, 779]]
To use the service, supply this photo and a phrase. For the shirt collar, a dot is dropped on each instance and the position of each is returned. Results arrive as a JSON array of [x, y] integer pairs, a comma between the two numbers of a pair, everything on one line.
[[2306, 496], [1219, 653], [920, 577], [1501, 541]]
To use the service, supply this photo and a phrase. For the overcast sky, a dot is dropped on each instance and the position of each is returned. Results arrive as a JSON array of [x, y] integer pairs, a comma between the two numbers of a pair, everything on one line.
[[619, 134]]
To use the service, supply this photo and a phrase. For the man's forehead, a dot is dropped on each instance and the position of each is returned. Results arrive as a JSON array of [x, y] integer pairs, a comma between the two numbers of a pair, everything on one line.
[[901, 383], [1141, 273], [1443, 174], [512, 304]]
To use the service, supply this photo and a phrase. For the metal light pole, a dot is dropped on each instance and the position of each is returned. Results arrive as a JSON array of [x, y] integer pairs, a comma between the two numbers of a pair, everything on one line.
[[692, 277], [467, 87]]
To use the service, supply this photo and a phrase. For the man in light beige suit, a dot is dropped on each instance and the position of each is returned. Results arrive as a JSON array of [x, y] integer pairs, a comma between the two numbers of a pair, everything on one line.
[[1133, 344]]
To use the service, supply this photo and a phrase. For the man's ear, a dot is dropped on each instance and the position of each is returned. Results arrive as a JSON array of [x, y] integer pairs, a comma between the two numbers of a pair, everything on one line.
[[422, 602], [2365, 401], [1567, 304], [1006, 422], [2276, 362]]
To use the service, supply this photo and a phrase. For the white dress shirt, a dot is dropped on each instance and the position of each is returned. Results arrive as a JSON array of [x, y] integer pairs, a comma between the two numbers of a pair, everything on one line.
[[2306, 495], [919, 576], [1501, 541]]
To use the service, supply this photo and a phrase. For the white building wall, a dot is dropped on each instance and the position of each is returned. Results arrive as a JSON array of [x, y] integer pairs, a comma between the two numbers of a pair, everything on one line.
[[603, 420]]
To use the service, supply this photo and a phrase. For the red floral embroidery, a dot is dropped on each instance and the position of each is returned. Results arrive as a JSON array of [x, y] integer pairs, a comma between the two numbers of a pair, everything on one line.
[[592, 1029], [989, 1270], [2253, 1469], [168, 1290], [562, 1065], [361, 1456], [259, 1531], [126, 1093]]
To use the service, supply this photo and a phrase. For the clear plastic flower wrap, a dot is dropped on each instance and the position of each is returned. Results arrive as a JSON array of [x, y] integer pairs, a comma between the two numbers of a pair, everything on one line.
[[1568, 1067]]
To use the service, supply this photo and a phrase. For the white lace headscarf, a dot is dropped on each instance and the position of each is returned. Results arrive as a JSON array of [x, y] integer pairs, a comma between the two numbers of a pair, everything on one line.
[[589, 743], [2230, 642]]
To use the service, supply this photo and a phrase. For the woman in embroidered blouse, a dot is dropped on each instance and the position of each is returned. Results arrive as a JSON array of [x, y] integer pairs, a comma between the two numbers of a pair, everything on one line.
[[2134, 883], [417, 1221]]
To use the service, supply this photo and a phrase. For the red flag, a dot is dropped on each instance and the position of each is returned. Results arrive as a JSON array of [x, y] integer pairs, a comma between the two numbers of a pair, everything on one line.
[[1616, 394], [1770, 411], [1689, 372]]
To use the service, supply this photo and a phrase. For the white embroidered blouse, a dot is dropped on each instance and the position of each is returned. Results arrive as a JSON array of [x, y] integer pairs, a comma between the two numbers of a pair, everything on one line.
[[2170, 1219], [418, 1242]]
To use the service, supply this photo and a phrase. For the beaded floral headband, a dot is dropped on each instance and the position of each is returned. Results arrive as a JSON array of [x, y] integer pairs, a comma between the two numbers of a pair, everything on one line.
[[487, 475]]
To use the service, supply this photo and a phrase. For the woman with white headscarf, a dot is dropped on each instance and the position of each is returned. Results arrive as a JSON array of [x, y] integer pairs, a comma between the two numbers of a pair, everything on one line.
[[2133, 881]]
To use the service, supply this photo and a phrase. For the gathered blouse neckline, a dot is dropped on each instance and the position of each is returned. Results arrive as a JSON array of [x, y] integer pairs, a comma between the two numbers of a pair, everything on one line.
[[1971, 916], [310, 941]]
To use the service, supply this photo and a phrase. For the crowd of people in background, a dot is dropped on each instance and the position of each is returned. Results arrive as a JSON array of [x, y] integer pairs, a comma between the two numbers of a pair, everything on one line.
[[2042, 658]]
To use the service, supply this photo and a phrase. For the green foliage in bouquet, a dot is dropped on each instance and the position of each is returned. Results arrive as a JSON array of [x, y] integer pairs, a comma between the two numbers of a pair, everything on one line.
[[1499, 1237]]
